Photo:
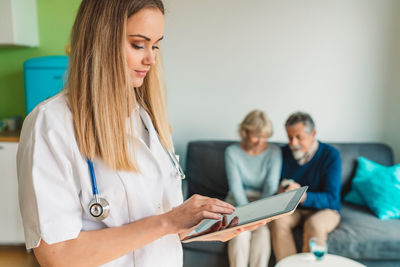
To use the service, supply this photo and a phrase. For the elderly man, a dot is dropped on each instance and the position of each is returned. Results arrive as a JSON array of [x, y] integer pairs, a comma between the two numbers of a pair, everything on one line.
[[306, 161]]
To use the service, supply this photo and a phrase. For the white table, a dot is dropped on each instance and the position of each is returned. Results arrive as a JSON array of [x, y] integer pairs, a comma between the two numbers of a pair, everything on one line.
[[308, 260]]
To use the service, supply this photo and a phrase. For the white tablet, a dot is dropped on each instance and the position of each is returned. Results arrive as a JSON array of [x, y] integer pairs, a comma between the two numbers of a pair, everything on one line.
[[266, 209]]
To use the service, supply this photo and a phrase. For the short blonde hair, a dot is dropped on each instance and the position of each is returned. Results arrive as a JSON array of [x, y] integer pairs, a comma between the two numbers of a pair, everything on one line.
[[255, 123]]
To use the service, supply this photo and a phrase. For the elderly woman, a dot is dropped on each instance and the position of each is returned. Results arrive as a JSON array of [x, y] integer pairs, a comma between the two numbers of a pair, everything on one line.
[[253, 169]]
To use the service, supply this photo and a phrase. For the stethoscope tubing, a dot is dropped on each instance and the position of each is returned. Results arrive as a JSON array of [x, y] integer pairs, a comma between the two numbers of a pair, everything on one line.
[[93, 178], [100, 204], [177, 165]]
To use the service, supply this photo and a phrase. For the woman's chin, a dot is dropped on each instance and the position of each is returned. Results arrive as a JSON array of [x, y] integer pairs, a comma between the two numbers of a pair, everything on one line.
[[137, 82]]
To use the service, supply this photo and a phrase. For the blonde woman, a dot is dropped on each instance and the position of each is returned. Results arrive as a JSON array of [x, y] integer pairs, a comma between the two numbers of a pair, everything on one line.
[[253, 169], [98, 181]]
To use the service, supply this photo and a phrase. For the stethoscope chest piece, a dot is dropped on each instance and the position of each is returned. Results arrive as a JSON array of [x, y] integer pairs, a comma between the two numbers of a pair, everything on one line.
[[99, 208]]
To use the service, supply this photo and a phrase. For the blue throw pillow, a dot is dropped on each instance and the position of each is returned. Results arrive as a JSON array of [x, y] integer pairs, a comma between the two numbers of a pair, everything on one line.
[[354, 197], [377, 187], [363, 167]]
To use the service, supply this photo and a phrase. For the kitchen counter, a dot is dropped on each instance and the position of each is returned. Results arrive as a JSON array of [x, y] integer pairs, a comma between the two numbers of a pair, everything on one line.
[[10, 136]]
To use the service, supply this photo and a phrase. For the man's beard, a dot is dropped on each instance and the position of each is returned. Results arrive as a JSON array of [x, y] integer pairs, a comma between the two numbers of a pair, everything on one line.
[[297, 152]]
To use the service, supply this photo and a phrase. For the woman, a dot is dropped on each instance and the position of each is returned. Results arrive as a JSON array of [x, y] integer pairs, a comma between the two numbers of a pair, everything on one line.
[[108, 127], [253, 168]]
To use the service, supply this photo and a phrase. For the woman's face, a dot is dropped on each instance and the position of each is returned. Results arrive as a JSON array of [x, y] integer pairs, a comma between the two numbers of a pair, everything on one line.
[[144, 31], [256, 141]]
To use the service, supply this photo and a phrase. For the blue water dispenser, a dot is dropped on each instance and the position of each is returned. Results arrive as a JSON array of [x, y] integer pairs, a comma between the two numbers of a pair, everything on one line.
[[44, 78]]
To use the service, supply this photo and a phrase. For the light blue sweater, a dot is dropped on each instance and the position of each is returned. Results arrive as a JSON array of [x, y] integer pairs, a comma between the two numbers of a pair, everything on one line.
[[245, 172]]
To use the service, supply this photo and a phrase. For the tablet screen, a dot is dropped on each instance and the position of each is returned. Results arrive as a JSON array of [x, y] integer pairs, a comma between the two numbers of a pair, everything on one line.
[[256, 210]]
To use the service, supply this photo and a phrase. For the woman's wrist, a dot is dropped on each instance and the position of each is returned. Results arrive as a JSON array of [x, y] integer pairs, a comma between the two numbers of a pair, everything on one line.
[[167, 224]]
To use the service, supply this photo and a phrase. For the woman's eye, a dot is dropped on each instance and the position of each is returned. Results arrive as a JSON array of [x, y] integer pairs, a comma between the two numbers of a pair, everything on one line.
[[155, 47], [135, 46]]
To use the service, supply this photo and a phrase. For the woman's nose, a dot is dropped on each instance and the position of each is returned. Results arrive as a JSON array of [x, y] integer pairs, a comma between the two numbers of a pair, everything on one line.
[[149, 57]]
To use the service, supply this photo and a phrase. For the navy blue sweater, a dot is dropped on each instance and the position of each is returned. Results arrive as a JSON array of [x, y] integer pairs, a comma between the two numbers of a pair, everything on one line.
[[322, 174]]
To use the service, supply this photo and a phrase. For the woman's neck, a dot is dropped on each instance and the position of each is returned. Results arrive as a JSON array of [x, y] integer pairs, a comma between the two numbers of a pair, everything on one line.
[[254, 150]]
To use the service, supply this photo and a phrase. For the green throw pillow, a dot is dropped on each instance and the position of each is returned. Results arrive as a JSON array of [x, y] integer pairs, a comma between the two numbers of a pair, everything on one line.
[[377, 187]]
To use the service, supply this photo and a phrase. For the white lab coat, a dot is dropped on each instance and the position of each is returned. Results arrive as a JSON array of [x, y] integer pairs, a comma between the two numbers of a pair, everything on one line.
[[55, 186]]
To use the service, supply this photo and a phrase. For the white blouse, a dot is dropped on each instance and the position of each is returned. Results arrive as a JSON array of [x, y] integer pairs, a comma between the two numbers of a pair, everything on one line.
[[55, 187]]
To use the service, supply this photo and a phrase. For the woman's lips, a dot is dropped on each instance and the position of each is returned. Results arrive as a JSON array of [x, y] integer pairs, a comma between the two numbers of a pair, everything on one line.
[[141, 73]]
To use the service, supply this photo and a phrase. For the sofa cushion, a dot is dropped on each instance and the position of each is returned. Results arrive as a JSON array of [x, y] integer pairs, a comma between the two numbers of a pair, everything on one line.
[[205, 168], [354, 197], [379, 186], [361, 235], [350, 152]]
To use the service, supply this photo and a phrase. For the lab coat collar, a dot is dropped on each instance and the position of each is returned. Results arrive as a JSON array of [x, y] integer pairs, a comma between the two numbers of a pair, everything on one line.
[[153, 136]]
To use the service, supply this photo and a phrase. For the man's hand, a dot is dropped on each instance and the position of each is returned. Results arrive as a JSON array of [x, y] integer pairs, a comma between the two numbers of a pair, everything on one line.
[[284, 185], [303, 198], [292, 186]]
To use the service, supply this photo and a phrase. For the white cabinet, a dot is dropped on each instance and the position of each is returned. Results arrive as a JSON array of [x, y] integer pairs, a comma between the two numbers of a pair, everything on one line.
[[19, 23], [11, 231]]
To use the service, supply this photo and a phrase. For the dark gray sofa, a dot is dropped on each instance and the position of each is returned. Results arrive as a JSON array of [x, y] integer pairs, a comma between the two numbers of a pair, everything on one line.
[[360, 236]]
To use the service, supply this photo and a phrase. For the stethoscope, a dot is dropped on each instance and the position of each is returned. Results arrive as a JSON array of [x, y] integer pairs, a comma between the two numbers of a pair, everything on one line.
[[99, 207]]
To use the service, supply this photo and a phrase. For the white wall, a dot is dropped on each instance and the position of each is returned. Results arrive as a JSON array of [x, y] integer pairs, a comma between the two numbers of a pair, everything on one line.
[[330, 58], [392, 111]]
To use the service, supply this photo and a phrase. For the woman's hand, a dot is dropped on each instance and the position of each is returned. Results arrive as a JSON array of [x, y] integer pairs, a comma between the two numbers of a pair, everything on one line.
[[193, 211], [228, 235], [220, 225]]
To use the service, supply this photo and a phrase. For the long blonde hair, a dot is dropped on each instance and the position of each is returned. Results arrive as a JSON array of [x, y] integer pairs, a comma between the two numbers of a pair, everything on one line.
[[101, 97]]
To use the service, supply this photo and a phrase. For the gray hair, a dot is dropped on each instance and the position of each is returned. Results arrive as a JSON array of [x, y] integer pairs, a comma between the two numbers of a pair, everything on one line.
[[303, 117]]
